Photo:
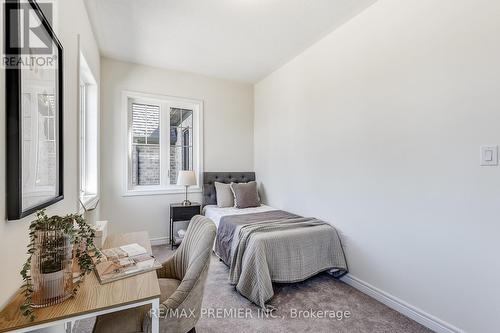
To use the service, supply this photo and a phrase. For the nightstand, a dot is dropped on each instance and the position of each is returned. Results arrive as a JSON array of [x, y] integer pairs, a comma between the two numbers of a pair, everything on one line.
[[180, 213]]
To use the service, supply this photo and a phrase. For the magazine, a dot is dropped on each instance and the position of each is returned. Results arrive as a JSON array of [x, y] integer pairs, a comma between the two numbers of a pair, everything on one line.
[[116, 263]]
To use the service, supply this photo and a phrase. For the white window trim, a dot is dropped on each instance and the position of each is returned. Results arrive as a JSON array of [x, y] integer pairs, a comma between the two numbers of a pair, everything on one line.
[[88, 199], [198, 136]]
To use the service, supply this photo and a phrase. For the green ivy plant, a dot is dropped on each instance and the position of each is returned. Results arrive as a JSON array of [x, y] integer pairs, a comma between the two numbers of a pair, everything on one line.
[[81, 236]]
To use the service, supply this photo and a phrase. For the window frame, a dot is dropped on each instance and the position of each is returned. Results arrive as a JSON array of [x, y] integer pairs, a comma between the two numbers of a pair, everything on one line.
[[88, 137], [165, 102], [83, 138]]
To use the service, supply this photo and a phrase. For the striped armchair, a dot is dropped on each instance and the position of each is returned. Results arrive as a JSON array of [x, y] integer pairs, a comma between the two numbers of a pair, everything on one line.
[[182, 280]]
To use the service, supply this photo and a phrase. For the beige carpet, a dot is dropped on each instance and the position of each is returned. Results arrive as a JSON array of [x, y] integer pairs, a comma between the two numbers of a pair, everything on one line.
[[321, 292]]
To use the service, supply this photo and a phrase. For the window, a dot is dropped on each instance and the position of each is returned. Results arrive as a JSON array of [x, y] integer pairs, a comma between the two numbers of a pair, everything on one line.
[[145, 144], [46, 173], [163, 137], [39, 144], [88, 136], [181, 141]]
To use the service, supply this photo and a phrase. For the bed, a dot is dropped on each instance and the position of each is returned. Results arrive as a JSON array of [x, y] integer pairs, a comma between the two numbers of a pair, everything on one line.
[[262, 245]]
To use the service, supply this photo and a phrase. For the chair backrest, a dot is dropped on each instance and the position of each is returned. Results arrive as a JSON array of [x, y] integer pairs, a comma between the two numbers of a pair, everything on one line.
[[190, 265], [194, 252]]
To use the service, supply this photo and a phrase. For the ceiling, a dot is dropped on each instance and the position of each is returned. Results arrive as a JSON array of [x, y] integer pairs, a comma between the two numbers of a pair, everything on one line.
[[242, 40]]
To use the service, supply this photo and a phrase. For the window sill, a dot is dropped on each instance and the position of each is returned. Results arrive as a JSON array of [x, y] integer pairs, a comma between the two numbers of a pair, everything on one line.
[[89, 201], [133, 193]]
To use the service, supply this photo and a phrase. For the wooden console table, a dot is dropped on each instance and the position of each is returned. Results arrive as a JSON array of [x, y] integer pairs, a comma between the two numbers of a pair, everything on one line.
[[92, 298]]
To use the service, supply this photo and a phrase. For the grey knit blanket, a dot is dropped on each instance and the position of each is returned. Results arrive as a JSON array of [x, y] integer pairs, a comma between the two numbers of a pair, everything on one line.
[[229, 223], [286, 250]]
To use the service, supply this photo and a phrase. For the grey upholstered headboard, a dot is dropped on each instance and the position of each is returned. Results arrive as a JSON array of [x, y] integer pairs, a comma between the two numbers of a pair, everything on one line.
[[209, 197]]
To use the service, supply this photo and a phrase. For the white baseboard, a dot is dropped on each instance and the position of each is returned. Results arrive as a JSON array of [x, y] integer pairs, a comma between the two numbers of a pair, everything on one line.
[[429, 321], [159, 241]]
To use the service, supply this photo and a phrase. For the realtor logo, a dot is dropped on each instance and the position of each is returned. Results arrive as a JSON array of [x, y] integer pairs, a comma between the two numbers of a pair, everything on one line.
[[26, 33]]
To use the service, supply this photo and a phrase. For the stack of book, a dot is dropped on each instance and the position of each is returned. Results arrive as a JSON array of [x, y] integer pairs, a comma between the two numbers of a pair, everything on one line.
[[124, 261]]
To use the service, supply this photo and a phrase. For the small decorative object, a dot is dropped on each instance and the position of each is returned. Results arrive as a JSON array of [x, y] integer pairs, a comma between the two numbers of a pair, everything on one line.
[[34, 109], [181, 233], [48, 273], [186, 178]]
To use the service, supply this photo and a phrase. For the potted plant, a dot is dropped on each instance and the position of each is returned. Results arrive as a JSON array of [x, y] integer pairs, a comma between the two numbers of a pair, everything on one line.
[[55, 242], [53, 257]]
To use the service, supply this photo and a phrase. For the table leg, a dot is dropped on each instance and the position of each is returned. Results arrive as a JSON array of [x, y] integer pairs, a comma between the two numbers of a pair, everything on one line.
[[171, 233], [155, 317], [69, 326]]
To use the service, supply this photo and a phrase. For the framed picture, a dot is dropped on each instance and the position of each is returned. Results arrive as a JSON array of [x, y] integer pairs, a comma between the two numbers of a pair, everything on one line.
[[34, 102]]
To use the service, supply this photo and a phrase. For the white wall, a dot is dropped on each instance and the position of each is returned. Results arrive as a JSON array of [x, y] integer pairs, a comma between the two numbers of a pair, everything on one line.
[[70, 20], [377, 129], [228, 137]]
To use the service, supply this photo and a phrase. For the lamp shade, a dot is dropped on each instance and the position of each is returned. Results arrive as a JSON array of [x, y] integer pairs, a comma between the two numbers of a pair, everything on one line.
[[186, 178]]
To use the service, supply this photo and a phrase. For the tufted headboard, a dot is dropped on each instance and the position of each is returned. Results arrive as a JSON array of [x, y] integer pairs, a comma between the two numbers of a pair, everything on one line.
[[209, 197]]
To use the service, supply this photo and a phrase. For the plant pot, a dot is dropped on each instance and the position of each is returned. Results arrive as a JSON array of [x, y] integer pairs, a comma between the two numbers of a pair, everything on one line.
[[57, 244], [52, 284], [53, 251]]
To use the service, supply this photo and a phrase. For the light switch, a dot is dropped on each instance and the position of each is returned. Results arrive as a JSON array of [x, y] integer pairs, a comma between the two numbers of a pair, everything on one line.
[[489, 155]]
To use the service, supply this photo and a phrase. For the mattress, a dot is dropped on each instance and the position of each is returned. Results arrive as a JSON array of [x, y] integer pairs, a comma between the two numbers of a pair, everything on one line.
[[216, 213]]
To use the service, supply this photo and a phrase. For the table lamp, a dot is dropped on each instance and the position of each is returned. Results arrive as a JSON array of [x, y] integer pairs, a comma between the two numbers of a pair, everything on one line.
[[186, 178]]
